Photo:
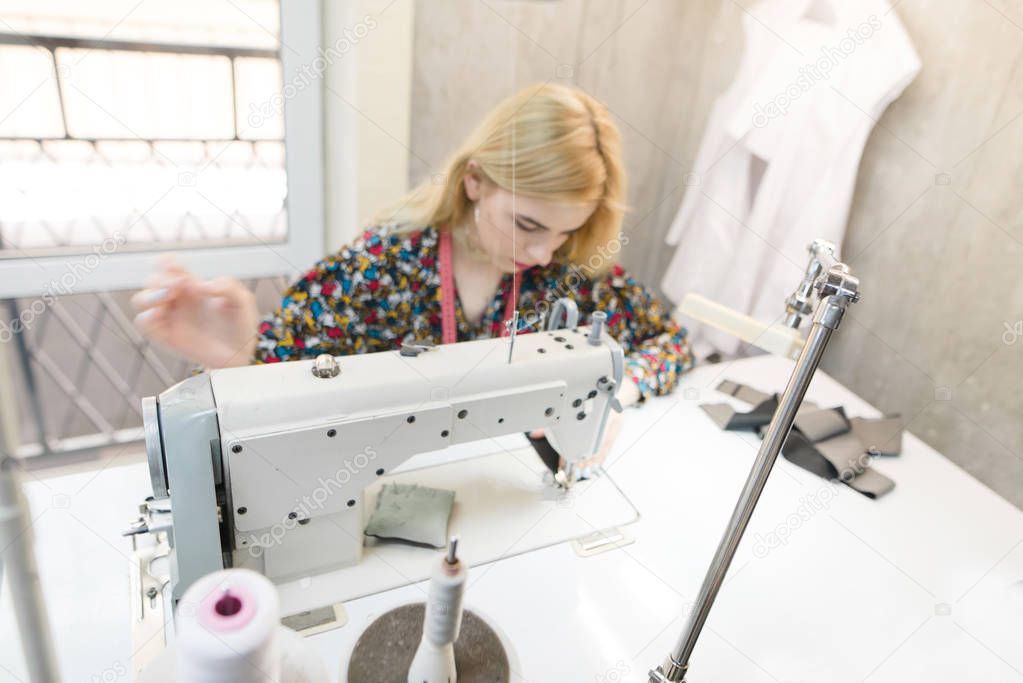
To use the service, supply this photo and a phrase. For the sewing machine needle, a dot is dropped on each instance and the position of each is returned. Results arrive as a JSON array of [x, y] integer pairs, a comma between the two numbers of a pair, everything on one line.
[[514, 328]]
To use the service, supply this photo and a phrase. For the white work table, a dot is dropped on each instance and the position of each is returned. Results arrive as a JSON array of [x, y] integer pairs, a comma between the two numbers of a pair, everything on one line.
[[925, 584]]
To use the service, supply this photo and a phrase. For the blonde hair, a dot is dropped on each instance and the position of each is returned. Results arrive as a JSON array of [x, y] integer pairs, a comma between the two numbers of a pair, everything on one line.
[[559, 143]]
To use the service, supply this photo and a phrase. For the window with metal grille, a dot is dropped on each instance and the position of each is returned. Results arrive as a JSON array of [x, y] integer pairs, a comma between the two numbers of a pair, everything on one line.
[[127, 130]]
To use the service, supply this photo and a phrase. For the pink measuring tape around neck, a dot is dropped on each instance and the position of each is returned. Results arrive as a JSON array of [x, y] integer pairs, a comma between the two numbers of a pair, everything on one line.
[[449, 328]]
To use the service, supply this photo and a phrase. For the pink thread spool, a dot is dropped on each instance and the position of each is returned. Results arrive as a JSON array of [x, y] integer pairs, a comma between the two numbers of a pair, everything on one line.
[[227, 630]]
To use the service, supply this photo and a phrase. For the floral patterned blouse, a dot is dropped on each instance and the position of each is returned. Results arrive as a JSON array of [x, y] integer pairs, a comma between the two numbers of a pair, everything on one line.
[[385, 290]]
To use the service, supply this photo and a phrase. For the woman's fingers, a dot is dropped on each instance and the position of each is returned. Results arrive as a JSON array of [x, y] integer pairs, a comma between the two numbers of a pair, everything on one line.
[[150, 321], [164, 285], [160, 292], [161, 289], [210, 322], [146, 299], [169, 263], [167, 268], [174, 281], [227, 289]]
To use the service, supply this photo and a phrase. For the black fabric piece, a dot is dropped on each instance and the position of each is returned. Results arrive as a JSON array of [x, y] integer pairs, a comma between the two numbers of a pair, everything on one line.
[[798, 450], [550, 457]]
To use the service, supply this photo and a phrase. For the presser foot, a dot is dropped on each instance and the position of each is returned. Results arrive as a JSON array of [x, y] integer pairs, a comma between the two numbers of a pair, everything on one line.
[[564, 478]]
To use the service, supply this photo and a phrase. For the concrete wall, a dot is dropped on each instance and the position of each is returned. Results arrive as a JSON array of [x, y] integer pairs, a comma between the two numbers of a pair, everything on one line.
[[937, 236], [935, 231]]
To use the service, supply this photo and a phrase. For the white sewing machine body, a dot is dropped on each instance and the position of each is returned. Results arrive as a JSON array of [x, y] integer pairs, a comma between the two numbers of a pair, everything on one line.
[[237, 454]]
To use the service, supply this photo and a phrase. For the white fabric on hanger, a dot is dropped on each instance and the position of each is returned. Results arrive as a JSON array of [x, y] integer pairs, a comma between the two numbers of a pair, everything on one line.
[[778, 162]]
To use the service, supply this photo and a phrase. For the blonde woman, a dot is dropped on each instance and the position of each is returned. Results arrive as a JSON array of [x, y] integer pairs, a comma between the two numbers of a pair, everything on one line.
[[529, 210]]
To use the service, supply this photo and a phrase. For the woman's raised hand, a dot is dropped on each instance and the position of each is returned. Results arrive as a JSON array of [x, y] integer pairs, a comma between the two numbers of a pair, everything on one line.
[[211, 322]]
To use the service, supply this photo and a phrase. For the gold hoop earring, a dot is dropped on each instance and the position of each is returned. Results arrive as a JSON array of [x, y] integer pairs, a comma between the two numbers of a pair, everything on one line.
[[469, 236]]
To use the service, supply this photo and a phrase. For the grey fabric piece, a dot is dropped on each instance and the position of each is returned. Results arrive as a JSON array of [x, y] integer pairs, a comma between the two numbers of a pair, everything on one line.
[[727, 417], [818, 424], [823, 440], [845, 453], [310, 618], [871, 483], [721, 413], [880, 436], [411, 513], [742, 392]]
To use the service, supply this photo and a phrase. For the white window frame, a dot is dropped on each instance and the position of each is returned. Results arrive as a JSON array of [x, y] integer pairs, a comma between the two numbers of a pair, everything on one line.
[[304, 165]]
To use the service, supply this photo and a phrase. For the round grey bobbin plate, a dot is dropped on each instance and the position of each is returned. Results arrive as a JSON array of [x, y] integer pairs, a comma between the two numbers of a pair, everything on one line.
[[384, 651]]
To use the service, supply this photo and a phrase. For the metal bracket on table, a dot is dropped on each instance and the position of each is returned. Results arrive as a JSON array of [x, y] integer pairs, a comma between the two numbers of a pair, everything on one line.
[[148, 601]]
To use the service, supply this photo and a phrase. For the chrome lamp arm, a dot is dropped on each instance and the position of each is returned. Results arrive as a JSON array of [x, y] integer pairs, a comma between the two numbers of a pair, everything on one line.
[[800, 302], [836, 289], [17, 557]]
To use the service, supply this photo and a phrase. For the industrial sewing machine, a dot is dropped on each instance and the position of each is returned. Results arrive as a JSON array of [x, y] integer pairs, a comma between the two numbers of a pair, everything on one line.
[[234, 452], [229, 451]]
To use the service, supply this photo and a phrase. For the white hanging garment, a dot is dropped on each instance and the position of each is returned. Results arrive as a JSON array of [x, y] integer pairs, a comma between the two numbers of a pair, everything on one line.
[[778, 161]]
